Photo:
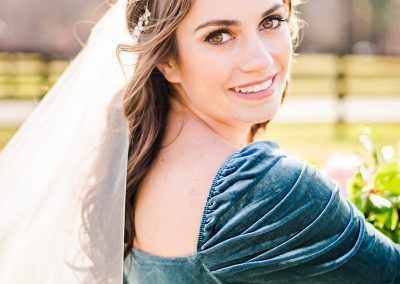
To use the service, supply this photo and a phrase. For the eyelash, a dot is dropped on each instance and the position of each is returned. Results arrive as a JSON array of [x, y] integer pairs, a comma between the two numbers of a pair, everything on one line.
[[225, 30]]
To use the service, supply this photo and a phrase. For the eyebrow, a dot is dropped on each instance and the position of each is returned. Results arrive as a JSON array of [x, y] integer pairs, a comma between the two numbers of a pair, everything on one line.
[[236, 22]]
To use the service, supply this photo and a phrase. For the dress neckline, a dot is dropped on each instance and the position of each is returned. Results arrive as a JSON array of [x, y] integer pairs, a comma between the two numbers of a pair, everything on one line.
[[150, 256]]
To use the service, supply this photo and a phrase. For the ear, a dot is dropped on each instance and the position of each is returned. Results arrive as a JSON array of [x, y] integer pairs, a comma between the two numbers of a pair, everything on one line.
[[170, 71]]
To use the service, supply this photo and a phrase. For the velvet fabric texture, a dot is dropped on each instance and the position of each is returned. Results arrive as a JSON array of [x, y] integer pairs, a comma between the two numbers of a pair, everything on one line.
[[274, 219]]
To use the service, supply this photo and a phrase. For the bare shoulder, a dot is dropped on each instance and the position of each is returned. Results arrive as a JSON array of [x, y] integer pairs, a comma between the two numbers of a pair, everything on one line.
[[170, 203]]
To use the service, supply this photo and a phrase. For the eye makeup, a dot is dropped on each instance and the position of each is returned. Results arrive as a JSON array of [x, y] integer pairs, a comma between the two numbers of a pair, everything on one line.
[[274, 22]]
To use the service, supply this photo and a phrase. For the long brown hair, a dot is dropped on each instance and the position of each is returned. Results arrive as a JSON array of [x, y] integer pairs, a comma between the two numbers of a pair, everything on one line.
[[146, 99]]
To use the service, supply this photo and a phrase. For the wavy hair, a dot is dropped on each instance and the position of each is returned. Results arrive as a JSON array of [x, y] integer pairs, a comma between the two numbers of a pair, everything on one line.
[[147, 97]]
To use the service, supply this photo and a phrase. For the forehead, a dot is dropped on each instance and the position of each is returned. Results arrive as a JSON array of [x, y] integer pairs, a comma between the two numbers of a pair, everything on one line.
[[202, 10]]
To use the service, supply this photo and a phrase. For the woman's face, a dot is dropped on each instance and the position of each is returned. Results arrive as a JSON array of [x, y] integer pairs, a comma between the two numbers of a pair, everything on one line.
[[234, 57]]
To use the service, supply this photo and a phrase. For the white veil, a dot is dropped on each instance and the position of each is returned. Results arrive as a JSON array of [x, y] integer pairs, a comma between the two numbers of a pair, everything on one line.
[[63, 174]]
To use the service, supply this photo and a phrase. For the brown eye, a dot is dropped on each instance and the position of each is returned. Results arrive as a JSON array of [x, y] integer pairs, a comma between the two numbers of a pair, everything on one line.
[[272, 22], [218, 37]]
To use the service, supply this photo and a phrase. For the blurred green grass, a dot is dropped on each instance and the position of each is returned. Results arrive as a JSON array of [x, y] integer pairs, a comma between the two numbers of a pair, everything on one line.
[[313, 142], [27, 76], [317, 142], [5, 135]]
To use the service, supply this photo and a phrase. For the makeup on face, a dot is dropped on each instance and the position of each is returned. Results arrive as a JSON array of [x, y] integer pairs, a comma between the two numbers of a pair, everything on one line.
[[256, 90], [234, 56]]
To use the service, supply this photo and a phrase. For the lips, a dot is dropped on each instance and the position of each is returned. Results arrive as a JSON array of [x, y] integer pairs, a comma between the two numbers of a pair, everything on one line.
[[256, 95], [254, 82]]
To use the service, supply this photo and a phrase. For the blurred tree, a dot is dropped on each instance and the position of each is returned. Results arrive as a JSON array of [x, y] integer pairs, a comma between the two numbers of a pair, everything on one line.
[[338, 26], [44, 26], [347, 26]]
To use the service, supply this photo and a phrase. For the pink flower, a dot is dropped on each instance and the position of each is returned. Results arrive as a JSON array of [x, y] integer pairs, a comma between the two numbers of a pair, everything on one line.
[[341, 168]]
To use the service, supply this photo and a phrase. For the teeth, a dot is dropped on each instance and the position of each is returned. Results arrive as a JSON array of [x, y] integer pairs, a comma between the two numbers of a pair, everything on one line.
[[266, 84], [255, 88]]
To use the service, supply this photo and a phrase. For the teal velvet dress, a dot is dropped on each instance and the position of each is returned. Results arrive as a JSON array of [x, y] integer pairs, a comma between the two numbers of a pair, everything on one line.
[[274, 219]]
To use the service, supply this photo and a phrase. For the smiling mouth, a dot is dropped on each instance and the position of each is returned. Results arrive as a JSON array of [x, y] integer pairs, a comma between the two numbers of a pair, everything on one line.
[[255, 88]]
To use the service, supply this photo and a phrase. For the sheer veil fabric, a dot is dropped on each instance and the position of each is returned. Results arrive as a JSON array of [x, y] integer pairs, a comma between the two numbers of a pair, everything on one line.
[[63, 175]]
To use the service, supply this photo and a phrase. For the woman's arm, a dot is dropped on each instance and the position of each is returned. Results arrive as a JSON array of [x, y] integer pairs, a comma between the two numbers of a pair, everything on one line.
[[274, 219]]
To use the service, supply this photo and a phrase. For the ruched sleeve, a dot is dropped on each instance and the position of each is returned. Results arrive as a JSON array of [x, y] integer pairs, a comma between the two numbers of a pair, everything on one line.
[[274, 219]]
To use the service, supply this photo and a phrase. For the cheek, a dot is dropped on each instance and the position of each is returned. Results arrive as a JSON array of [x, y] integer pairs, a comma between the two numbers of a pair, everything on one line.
[[285, 49], [203, 69]]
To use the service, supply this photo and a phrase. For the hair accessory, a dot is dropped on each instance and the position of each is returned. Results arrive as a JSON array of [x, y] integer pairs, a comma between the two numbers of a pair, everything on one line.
[[143, 21]]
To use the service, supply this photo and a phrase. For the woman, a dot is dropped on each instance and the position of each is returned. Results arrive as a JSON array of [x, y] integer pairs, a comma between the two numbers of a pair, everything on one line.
[[205, 206]]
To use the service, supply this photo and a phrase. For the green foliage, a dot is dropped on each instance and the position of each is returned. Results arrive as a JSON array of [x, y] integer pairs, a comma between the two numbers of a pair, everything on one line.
[[5, 135], [375, 188]]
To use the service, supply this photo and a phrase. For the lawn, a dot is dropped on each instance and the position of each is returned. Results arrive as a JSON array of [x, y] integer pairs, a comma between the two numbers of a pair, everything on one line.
[[316, 142], [5, 135], [313, 142]]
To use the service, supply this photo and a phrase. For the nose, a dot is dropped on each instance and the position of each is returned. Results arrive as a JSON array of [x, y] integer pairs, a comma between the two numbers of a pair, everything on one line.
[[255, 56]]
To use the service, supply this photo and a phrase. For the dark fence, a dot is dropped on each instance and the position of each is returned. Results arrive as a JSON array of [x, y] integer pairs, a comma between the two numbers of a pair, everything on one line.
[[29, 76], [351, 75]]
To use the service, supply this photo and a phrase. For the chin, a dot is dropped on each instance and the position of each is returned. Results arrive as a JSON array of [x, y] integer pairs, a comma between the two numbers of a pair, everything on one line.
[[259, 113], [267, 113], [258, 118]]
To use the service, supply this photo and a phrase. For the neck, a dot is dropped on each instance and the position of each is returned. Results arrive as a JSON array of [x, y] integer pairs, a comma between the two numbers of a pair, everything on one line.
[[236, 135]]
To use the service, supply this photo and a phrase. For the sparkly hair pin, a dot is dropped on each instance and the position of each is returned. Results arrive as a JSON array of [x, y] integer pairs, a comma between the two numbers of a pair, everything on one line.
[[143, 21]]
